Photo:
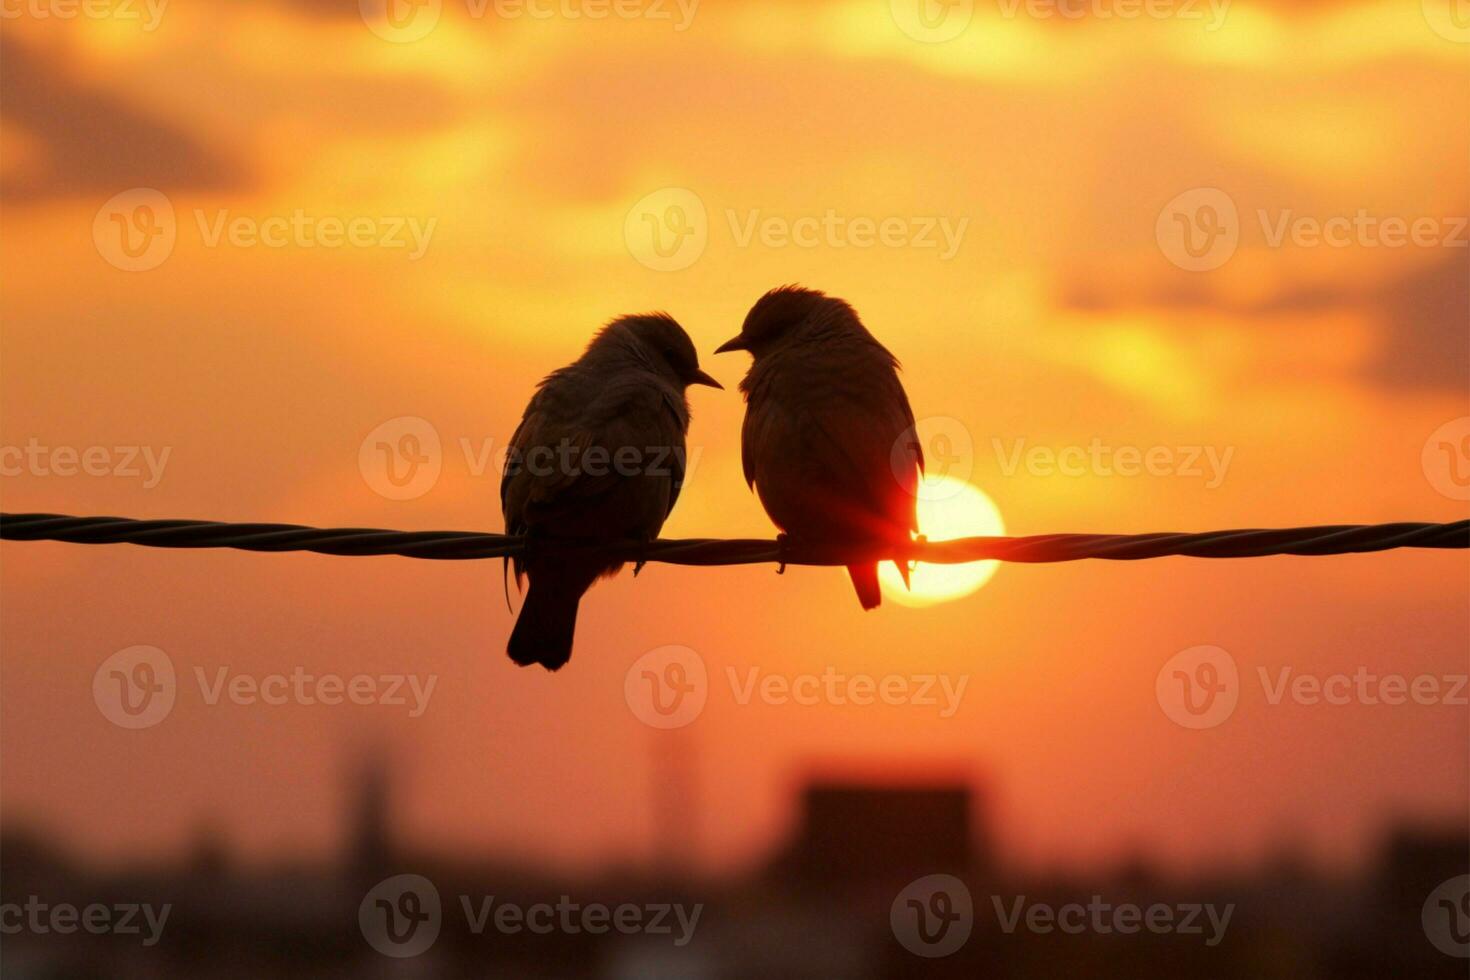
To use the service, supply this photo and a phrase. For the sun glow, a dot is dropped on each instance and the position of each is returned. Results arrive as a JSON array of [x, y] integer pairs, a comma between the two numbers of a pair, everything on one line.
[[948, 508]]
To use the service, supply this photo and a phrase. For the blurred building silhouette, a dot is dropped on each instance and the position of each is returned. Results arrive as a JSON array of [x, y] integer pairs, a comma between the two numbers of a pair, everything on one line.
[[370, 852], [822, 907], [853, 831]]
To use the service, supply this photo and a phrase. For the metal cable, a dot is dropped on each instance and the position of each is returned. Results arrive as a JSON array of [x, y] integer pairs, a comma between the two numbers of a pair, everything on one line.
[[1338, 539]]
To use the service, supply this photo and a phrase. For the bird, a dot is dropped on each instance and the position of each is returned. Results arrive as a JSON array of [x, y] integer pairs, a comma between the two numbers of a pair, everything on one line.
[[828, 442], [598, 457]]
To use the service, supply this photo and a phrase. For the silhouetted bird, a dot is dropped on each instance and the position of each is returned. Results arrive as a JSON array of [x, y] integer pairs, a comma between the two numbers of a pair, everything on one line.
[[828, 441], [598, 457]]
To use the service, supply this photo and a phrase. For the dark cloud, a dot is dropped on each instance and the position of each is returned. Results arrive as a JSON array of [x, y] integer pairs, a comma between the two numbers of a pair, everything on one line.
[[1428, 319], [91, 141], [1425, 313]]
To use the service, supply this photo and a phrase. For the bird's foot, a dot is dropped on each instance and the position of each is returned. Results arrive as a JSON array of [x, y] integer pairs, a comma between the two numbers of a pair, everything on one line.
[[920, 540], [783, 540]]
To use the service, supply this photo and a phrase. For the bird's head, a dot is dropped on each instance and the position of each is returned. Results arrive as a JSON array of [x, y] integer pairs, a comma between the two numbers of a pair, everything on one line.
[[659, 341], [786, 314]]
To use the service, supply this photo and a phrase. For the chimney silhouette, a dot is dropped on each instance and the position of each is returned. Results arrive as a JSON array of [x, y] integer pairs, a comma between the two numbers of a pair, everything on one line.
[[370, 852]]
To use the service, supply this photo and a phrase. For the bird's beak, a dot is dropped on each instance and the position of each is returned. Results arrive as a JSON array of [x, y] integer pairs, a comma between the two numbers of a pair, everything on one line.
[[736, 342], [700, 378]]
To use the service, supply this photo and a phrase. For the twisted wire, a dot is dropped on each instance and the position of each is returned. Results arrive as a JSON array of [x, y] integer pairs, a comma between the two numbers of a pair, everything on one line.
[[1337, 539]]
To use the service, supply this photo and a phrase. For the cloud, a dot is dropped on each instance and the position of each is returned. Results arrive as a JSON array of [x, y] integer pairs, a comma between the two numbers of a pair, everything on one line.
[[1423, 312], [1427, 313], [83, 140]]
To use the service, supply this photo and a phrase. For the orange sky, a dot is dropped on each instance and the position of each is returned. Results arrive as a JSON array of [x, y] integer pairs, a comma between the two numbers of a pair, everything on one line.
[[1057, 316]]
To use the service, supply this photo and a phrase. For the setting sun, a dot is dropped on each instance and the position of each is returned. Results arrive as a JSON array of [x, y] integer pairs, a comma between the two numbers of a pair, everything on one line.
[[948, 508]]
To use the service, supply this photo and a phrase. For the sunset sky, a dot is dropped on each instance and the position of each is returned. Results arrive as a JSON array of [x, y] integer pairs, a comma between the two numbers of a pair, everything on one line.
[[1033, 174]]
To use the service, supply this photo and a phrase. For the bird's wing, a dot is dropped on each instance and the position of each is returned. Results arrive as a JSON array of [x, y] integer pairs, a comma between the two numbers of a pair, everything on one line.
[[855, 448], [751, 432], [760, 420], [672, 424], [562, 491], [514, 519], [512, 492], [862, 442]]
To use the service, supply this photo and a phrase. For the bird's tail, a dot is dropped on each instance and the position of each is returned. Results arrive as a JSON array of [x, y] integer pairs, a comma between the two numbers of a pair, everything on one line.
[[865, 580], [544, 629]]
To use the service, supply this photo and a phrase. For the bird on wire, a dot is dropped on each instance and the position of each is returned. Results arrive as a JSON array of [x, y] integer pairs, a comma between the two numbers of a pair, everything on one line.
[[828, 442], [598, 457]]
